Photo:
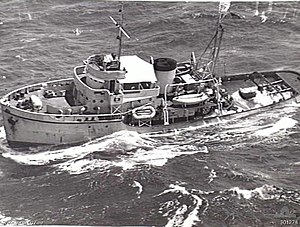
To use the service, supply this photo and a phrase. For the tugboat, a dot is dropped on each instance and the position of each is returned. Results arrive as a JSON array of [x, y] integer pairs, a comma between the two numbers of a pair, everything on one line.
[[111, 92]]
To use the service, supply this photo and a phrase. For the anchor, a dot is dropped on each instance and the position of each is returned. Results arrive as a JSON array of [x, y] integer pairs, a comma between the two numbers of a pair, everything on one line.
[[13, 122]]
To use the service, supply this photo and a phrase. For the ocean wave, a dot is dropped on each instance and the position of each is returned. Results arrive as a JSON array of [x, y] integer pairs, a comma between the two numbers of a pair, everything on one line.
[[188, 207], [264, 192], [295, 163], [279, 127], [150, 157], [275, 122], [181, 214], [123, 139], [124, 149], [226, 201]]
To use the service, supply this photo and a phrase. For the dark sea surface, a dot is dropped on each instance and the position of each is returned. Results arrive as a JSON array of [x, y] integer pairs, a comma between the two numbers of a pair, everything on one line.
[[239, 172]]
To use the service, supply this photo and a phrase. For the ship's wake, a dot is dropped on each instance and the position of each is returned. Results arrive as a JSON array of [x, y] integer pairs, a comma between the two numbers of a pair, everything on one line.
[[264, 127], [124, 149]]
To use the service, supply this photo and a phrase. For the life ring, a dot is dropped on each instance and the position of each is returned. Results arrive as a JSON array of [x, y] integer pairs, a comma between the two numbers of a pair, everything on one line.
[[146, 112]]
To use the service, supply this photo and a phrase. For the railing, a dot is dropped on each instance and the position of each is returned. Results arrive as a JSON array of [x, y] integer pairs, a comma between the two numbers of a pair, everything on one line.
[[36, 87]]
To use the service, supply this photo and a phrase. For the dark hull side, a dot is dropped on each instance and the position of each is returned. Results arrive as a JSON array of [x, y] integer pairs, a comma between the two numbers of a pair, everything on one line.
[[25, 128]]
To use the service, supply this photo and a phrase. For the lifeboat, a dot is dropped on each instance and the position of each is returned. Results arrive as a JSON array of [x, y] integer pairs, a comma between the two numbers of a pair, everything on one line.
[[190, 99]]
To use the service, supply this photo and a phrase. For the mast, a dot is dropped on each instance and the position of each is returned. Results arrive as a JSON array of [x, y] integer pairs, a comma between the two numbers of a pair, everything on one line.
[[121, 30], [217, 46], [208, 58], [223, 9]]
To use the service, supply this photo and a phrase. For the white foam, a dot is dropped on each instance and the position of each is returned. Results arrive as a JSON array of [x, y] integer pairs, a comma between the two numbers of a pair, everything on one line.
[[270, 7], [77, 31], [239, 101], [212, 176], [82, 166], [295, 163], [127, 140], [178, 218], [193, 216], [263, 17], [20, 57], [158, 156], [4, 220], [261, 99], [29, 16], [261, 174], [256, 126], [145, 154], [2, 133], [177, 132], [280, 126], [138, 185], [175, 188], [29, 40], [43, 158], [264, 192], [256, 13]]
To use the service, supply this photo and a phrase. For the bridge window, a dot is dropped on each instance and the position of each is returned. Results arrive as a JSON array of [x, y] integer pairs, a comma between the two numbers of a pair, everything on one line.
[[146, 85]]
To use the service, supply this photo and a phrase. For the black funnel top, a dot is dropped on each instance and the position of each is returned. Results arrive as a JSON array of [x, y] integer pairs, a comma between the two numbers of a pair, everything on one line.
[[165, 64]]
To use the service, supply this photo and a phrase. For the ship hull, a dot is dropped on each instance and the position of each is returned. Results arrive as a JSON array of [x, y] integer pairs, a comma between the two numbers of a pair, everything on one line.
[[23, 130], [28, 132]]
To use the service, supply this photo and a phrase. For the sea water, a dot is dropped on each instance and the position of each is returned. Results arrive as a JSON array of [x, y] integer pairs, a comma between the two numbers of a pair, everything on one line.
[[238, 172]]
